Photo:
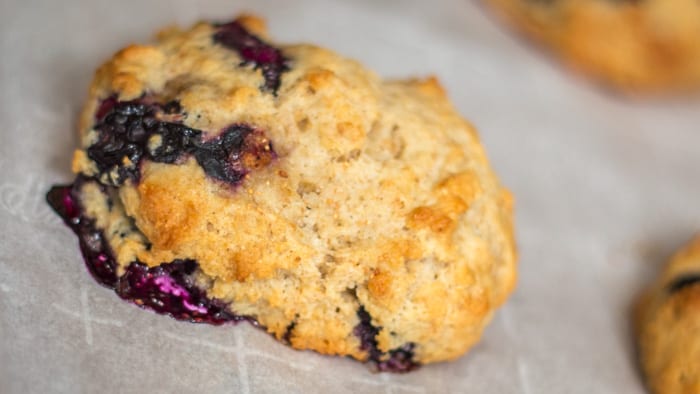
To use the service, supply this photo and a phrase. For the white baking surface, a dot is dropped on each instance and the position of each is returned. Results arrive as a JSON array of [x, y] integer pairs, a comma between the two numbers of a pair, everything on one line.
[[606, 188]]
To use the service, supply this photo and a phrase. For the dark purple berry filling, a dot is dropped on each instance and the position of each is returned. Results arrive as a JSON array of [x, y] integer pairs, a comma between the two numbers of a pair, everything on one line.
[[105, 107], [366, 332], [96, 253], [683, 282], [254, 51], [230, 156], [400, 359], [167, 289], [170, 289], [287, 337], [124, 130], [130, 131]]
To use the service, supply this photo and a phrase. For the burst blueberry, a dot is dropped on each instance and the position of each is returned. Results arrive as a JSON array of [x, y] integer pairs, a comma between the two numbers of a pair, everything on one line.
[[167, 289], [131, 131], [400, 360], [255, 51]]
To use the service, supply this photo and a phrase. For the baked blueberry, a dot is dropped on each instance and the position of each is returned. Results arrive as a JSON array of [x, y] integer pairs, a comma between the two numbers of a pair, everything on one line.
[[255, 51]]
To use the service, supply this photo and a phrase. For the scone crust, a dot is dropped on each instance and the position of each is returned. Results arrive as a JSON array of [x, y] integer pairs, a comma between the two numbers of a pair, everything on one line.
[[647, 46], [379, 197], [668, 326]]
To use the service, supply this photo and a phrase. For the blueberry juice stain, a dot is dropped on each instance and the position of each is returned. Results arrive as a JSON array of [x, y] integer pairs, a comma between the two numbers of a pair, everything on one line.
[[167, 289]]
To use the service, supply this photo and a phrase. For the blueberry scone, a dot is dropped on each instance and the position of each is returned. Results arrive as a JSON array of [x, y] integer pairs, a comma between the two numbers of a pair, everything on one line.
[[222, 178], [668, 326], [637, 46]]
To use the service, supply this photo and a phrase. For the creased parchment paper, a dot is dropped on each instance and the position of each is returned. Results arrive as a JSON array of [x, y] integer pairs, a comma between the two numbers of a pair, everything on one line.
[[606, 188]]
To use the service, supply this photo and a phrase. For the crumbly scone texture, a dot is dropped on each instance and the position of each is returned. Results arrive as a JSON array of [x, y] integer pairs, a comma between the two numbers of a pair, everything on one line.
[[643, 46], [378, 197], [668, 326]]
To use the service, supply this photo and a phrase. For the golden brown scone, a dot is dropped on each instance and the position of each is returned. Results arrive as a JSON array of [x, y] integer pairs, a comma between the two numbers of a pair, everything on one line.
[[287, 184], [637, 46], [668, 326]]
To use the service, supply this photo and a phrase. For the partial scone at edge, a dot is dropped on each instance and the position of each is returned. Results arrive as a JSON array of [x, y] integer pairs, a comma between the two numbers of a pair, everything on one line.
[[345, 214], [668, 325], [646, 46]]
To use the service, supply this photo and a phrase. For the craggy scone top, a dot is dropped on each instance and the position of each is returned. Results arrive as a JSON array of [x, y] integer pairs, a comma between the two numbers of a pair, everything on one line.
[[346, 214], [637, 46]]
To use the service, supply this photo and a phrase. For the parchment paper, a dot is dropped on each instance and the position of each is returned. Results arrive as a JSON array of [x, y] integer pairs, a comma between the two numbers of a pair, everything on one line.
[[606, 188]]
